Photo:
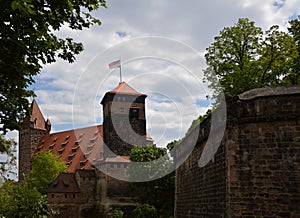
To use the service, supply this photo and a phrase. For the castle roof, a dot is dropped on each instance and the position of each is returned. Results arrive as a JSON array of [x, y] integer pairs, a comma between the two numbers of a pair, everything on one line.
[[124, 88], [78, 148], [36, 118]]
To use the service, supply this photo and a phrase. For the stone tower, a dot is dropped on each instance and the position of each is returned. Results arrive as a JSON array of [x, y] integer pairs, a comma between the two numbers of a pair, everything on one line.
[[124, 122], [34, 127]]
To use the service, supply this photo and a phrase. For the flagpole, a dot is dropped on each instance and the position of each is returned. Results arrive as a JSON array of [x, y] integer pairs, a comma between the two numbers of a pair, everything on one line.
[[120, 72]]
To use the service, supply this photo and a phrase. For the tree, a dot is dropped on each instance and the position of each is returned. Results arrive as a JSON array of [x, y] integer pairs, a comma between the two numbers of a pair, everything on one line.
[[20, 200], [159, 192], [144, 211], [45, 168], [243, 58], [8, 160], [27, 41], [294, 76], [28, 199]]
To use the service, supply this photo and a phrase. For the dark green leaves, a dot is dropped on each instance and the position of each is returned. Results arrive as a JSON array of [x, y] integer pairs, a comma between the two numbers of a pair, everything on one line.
[[27, 43], [243, 58]]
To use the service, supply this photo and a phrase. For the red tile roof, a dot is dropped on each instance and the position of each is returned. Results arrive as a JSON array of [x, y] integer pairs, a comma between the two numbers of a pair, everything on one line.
[[124, 88], [36, 117], [78, 148]]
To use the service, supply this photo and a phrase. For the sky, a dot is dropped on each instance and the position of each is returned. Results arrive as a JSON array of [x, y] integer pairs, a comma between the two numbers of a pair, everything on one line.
[[161, 44]]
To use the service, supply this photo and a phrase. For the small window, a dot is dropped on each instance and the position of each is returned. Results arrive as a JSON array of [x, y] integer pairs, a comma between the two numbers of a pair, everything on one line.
[[66, 195], [86, 155], [134, 112], [61, 151], [93, 139], [64, 144], [90, 147]]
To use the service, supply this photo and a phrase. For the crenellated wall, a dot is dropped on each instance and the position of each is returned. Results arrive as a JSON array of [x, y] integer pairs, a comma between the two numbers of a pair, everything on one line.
[[256, 169]]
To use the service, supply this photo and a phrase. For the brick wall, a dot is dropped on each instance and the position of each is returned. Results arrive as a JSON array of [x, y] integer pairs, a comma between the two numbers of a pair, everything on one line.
[[28, 142], [256, 170]]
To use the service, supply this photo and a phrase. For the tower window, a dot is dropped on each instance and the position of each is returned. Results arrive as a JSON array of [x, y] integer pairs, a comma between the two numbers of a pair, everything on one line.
[[134, 112]]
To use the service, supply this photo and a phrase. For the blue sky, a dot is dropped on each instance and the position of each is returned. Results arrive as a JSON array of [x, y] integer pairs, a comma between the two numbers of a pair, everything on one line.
[[167, 67]]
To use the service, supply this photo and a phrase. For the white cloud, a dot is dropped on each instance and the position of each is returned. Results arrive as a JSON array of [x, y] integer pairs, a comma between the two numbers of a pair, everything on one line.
[[192, 22]]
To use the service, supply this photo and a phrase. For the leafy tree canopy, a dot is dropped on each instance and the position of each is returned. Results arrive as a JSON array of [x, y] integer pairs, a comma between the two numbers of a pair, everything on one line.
[[243, 57], [20, 200], [294, 29], [45, 168], [8, 158], [27, 41], [27, 198], [144, 211], [159, 192]]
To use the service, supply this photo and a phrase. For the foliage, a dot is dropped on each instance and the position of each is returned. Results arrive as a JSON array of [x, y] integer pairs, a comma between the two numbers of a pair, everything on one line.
[[144, 211], [45, 168], [7, 149], [27, 199], [159, 192], [172, 144], [118, 213], [243, 57], [19, 200], [27, 41], [294, 76]]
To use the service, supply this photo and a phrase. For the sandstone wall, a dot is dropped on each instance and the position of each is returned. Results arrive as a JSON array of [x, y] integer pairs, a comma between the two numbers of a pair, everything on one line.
[[256, 170]]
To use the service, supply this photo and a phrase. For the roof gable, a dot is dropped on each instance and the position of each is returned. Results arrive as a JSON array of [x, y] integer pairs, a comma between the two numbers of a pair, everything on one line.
[[64, 183]]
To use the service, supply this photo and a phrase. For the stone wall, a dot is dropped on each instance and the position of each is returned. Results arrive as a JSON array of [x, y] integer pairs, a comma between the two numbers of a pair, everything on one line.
[[28, 142], [256, 170]]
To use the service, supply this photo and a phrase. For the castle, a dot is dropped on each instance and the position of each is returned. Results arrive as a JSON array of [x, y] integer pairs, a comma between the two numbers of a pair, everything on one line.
[[86, 191]]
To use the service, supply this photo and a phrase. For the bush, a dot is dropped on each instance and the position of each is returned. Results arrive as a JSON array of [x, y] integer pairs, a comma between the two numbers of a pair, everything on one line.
[[144, 211]]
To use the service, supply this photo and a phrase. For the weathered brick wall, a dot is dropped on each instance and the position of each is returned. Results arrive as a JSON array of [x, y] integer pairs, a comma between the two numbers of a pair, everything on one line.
[[28, 142], [256, 170], [122, 132], [264, 179]]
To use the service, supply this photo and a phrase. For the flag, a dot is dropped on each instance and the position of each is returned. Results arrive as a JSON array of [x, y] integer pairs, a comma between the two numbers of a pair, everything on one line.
[[114, 64]]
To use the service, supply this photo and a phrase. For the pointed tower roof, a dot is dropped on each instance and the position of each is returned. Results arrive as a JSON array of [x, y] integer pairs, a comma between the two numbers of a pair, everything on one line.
[[35, 118], [124, 88]]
